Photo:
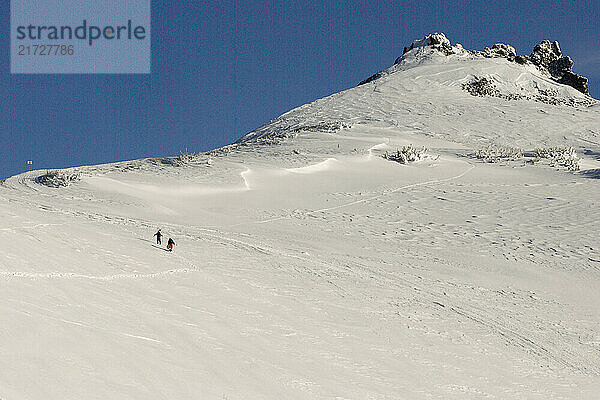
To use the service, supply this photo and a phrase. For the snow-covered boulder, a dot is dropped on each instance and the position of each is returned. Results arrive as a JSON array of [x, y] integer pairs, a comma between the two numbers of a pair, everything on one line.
[[548, 58], [576, 81], [436, 41], [561, 70], [500, 50], [545, 53]]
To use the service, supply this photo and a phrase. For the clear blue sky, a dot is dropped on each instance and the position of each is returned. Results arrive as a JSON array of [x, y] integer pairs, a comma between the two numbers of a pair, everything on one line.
[[222, 68]]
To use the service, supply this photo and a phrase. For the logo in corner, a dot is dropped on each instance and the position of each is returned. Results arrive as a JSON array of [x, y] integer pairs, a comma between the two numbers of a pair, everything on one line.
[[80, 36]]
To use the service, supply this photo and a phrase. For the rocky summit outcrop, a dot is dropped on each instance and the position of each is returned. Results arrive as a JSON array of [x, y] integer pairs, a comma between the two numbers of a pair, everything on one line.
[[546, 56], [545, 53], [438, 41], [500, 50]]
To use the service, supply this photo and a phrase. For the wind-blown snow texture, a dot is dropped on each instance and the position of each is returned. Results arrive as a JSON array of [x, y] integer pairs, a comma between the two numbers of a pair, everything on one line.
[[307, 266]]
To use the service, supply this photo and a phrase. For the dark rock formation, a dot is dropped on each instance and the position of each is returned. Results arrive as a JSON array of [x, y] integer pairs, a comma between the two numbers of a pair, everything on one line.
[[545, 53], [522, 59], [547, 56], [576, 81], [438, 41], [561, 65], [500, 50]]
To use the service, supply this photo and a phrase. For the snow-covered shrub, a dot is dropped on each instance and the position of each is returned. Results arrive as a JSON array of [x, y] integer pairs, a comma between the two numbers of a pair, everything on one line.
[[57, 178], [481, 86], [559, 156], [407, 154], [500, 50], [328, 127], [183, 158], [494, 153]]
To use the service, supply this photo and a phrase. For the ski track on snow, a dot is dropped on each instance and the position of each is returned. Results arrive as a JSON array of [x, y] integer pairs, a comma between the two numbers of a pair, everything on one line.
[[367, 200]]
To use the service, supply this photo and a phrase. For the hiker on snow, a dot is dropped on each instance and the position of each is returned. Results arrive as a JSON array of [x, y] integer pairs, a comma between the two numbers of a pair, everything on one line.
[[170, 244], [158, 237]]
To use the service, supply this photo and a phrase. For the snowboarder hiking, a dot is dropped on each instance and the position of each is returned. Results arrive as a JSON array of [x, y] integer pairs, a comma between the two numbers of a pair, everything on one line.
[[158, 237], [170, 244]]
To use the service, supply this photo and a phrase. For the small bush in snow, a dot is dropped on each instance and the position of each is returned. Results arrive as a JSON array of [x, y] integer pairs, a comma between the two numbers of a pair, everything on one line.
[[328, 127], [493, 153], [183, 158], [407, 154], [57, 178], [559, 156], [481, 87]]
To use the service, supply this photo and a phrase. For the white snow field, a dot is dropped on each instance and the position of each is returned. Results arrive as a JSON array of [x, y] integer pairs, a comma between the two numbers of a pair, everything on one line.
[[307, 266]]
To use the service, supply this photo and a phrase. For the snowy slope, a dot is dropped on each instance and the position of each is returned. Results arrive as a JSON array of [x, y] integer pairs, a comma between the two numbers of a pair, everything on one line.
[[309, 267], [424, 93]]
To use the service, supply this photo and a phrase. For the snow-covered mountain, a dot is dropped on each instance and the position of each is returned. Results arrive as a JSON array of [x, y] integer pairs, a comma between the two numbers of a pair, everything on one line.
[[447, 92], [430, 233]]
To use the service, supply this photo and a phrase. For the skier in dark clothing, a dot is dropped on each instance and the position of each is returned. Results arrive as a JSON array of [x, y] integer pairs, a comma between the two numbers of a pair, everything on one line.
[[170, 244], [158, 237]]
